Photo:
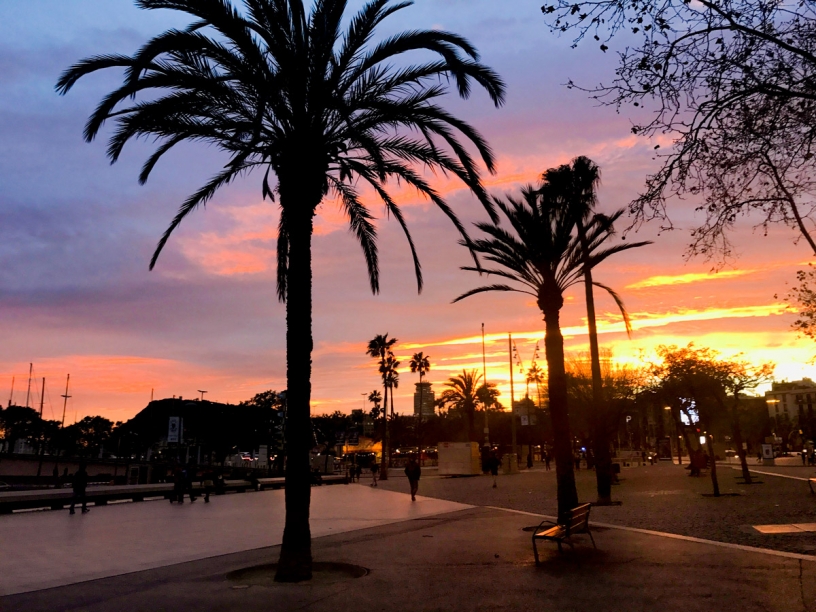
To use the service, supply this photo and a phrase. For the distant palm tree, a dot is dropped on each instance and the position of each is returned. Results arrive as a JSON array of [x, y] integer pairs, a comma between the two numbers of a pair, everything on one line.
[[290, 93], [375, 397], [380, 348], [462, 394], [545, 257], [575, 186], [420, 363], [391, 377], [535, 375]]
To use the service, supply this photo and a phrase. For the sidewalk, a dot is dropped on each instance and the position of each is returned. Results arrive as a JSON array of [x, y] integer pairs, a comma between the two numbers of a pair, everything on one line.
[[471, 559]]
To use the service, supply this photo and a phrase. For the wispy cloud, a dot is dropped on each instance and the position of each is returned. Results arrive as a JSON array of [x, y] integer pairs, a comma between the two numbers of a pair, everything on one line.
[[640, 320], [684, 279]]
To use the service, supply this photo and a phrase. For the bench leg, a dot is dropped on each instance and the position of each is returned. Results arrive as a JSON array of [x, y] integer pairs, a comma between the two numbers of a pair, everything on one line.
[[593, 539], [560, 550], [810, 484]]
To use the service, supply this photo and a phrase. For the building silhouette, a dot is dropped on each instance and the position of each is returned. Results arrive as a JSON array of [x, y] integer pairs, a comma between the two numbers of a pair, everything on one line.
[[427, 397]]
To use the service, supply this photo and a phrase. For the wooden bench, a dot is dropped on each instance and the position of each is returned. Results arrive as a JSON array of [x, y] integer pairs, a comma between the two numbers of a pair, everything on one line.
[[811, 481], [577, 521]]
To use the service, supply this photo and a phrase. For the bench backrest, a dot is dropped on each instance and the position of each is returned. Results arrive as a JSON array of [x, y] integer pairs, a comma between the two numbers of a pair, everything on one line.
[[577, 519]]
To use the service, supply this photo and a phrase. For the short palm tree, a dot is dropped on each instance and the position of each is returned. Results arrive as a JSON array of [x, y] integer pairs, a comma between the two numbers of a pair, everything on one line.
[[380, 347], [316, 109], [375, 397], [462, 394], [535, 375], [544, 258], [420, 363]]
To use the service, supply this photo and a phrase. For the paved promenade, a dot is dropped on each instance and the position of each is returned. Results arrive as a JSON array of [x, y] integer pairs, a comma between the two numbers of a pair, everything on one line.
[[468, 552], [47, 549], [474, 559]]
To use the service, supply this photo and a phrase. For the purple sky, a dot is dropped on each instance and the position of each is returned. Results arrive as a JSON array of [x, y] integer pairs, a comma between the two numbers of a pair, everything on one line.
[[76, 235]]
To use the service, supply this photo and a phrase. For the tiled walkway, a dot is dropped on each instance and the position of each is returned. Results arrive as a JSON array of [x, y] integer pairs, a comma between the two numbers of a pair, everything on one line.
[[48, 549]]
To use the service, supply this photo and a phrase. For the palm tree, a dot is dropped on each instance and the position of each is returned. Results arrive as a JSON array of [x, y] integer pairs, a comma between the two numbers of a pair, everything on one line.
[[463, 395], [380, 348], [391, 377], [536, 375], [288, 92], [575, 187], [545, 257], [375, 397], [419, 363]]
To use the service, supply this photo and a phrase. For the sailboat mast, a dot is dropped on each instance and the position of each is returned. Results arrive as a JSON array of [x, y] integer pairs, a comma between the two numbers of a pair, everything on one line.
[[65, 403], [42, 397], [28, 393]]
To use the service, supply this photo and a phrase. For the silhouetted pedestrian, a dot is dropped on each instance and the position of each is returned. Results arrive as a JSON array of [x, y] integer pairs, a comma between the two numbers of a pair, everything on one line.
[[375, 470], [413, 472], [494, 468], [178, 485], [547, 460], [189, 478], [79, 484], [208, 484], [529, 460], [55, 476]]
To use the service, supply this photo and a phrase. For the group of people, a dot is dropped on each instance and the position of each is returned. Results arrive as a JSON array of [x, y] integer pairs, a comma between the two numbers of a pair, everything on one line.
[[184, 480]]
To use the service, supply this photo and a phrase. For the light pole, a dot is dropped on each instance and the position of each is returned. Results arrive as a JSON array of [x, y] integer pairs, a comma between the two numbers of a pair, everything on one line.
[[512, 396], [487, 397], [202, 394]]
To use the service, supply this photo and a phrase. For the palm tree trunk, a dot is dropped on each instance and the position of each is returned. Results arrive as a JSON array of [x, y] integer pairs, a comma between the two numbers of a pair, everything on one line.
[[600, 433], [295, 562], [557, 391]]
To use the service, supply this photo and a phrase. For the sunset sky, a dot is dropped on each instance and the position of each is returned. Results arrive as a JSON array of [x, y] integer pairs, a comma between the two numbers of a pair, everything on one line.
[[76, 235]]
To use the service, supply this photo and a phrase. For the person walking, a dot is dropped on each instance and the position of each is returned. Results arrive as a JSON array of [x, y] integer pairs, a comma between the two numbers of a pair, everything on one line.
[[189, 478], [178, 485], [530, 460], [547, 460], [55, 476], [375, 470], [413, 472], [494, 468], [208, 484], [79, 484]]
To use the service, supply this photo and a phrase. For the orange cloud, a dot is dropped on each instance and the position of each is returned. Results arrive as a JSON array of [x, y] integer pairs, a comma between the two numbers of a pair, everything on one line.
[[683, 279]]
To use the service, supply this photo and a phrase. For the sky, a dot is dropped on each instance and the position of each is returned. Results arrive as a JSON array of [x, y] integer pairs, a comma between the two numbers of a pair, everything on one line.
[[77, 233]]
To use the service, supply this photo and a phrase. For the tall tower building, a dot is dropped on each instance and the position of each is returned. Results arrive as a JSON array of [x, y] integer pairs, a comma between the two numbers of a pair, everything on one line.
[[428, 398]]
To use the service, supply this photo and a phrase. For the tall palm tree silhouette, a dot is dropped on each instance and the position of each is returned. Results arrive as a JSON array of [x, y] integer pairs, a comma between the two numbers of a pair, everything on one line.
[[575, 186], [545, 257], [420, 363], [320, 109], [463, 394], [380, 347], [391, 377]]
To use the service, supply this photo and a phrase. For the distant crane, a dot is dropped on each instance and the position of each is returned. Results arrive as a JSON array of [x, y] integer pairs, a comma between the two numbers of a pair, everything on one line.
[[202, 394]]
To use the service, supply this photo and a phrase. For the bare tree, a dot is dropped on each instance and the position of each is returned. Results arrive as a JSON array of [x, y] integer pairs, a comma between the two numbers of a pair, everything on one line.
[[733, 83]]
